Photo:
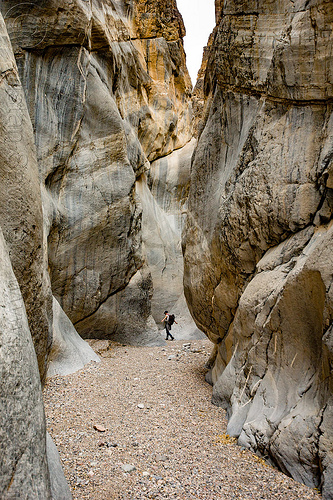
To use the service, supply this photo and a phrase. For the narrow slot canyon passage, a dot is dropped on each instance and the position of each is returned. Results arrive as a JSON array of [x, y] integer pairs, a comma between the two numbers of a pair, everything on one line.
[[127, 191], [154, 409]]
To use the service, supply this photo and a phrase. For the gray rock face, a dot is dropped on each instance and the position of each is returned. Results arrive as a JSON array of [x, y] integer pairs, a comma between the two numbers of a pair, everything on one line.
[[108, 92], [21, 208], [23, 466], [69, 351], [257, 243], [25, 313], [59, 487]]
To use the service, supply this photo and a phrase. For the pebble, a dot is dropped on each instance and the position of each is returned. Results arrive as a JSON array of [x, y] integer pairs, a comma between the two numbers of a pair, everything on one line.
[[141, 406], [128, 468], [99, 428]]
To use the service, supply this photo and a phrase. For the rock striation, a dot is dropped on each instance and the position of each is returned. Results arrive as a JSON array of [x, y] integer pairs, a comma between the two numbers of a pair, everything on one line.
[[258, 237], [23, 465], [108, 92]]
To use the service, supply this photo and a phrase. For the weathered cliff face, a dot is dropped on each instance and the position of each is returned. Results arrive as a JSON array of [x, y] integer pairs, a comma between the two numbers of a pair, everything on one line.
[[25, 299], [258, 238], [108, 92], [21, 217]]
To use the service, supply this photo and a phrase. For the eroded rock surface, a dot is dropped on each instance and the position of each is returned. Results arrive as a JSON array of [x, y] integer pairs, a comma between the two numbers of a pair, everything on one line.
[[26, 298], [108, 92], [23, 466], [258, 249], [69, 351], [21, 216]]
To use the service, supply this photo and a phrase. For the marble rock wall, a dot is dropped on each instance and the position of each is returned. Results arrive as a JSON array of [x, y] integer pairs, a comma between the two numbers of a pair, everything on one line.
[[258, 238], [108, 92]]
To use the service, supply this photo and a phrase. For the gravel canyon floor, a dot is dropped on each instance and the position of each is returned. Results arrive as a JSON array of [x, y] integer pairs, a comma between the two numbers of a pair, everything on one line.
[[140, 425]]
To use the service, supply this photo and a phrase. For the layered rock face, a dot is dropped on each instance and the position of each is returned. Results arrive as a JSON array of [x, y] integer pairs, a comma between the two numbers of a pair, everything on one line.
[[258, 238], [108, 92]]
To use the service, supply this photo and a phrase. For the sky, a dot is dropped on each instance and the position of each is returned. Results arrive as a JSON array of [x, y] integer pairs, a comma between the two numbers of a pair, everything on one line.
[[199, 20]]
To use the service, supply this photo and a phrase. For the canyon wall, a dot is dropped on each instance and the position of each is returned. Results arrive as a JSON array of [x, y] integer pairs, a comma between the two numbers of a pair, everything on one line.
[[95, 99], [258, 236], [108, 93], [27, 470]]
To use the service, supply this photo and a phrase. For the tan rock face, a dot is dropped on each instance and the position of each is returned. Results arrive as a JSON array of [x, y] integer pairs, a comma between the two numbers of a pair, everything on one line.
[[258, 273], [107, 91]]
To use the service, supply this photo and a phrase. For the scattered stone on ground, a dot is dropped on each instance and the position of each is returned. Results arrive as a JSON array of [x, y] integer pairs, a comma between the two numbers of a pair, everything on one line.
[[174, 448]]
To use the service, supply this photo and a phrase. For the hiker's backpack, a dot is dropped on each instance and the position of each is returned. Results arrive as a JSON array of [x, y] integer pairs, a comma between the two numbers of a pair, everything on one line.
[[171, 319]]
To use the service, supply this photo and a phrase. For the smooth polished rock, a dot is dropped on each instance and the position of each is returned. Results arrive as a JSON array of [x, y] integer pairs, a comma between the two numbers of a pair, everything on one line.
[[69, 351], [59, 487], [23, 465]]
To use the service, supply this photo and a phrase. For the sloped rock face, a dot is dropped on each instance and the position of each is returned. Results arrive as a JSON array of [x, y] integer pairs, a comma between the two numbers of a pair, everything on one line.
[[108, 92], [69, 351], [257, 244]]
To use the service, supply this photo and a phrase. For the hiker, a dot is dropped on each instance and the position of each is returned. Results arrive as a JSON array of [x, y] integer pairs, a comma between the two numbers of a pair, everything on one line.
[[168, 320]]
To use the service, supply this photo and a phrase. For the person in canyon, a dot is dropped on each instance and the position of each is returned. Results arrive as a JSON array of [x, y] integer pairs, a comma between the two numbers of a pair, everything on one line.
[[168, 320]]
